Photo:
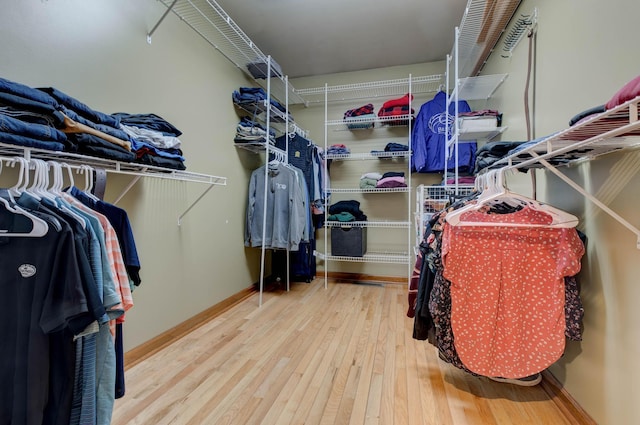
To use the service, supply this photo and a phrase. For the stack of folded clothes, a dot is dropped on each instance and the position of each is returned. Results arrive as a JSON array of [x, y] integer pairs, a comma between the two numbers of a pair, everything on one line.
[[397, 108], [47, 118], [360, 118], [338, 149], [370, 180], [391, 147], [248, 132], [346, 211], [153, 140], [392, 179], [252, 99]]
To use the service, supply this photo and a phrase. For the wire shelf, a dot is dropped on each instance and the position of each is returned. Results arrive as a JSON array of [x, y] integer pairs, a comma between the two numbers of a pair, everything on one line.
[[381, 224], [213, 24], [373, 89], [370, 257], [110, 165], [376, 190], [368, 155]]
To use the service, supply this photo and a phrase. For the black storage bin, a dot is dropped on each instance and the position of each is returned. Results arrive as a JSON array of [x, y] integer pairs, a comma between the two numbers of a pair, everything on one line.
[[348, 241]]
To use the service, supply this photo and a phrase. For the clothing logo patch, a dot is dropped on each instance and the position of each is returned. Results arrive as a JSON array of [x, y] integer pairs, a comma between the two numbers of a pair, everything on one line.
[[281, 186], [438, 122], [27, 270]]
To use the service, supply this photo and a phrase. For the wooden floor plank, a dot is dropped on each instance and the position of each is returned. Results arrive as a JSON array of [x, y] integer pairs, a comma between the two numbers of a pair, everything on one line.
[[342, 355]]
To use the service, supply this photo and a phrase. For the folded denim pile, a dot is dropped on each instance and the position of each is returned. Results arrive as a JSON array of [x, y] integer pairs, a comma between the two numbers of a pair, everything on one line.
[[252, 99], [46, 118], [389, 148], [252, 132]]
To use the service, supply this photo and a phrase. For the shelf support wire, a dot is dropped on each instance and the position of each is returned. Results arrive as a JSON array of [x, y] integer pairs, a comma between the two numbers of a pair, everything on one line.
[[589, 196], [164, 15]]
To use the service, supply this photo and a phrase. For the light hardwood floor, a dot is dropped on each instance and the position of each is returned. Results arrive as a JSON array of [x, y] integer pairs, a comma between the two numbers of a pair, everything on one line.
[[343, 355]]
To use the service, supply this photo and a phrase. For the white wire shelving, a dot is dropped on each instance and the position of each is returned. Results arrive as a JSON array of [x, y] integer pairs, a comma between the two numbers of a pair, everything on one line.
[[117, 167], [372, 90], [372, 190], [368, 155], [370, 257], [615, 130], [212, 23], [480, 28], [382, 224]]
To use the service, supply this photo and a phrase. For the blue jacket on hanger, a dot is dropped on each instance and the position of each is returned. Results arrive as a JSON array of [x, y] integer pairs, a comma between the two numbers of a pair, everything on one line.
[[428, 138]]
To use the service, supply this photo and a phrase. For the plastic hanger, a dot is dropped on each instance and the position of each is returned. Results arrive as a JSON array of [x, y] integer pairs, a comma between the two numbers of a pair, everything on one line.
[[88, 181], [495, 192], [39, 226], [56, 191]]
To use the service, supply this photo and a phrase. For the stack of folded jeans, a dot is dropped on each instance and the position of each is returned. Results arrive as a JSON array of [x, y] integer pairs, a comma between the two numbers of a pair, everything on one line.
[[30, 118], [252, 132], [47, 118], [250, 97], [154, 140]]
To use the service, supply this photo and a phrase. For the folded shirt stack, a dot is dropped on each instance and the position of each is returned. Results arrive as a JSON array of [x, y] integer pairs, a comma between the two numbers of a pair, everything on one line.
[[249, 131], [47, 118], [360, 118], [391, 147], [249, 97], [399, 107], [370, 180], [392, 179], [338, 149], [352, 207]]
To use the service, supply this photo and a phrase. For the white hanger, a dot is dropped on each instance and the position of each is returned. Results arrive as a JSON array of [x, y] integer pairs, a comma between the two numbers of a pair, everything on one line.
[[39, 226], [495, 191], [68, 167], [23, 175], [56, 191]]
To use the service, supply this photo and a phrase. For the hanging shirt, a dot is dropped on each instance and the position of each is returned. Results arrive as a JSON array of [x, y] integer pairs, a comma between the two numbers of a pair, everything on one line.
[[428, 138], [507, 292]]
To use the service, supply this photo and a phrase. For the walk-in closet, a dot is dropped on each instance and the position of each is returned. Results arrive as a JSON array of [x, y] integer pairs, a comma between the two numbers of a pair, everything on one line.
[[223, 212]]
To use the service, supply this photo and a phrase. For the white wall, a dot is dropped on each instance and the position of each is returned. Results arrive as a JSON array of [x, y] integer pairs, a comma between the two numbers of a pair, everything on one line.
[[96, 51], [586, 51]]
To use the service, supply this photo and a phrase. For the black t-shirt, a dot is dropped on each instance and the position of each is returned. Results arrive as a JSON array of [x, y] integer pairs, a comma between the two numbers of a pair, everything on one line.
[[40, 292]]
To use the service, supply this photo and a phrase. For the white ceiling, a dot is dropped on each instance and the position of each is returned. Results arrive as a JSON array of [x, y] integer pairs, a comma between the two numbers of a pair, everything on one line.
[[322, 37]]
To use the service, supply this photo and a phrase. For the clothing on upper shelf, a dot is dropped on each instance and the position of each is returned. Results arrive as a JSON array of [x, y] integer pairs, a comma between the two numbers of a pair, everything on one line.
[[259, 68], [399, 107], [428, 138], [361, 122], [362, 117], [47, 118], [248, 131], [391, 181], [629, 91], [252, 96]]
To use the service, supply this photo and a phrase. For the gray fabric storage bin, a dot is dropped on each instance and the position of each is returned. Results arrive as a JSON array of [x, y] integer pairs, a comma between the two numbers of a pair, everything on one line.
[[348, 241]]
